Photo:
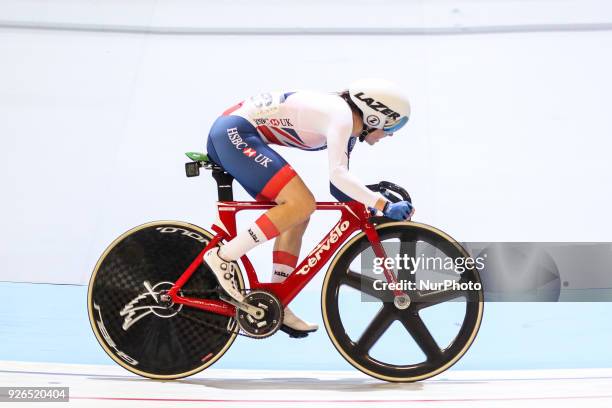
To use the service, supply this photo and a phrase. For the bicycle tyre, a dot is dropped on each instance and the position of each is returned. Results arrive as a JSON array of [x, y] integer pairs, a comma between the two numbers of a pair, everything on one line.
[[337, 275], [158, 343]]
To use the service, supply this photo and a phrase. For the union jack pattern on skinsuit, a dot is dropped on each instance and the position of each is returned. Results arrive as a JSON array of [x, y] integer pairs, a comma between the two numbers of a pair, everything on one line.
[[284, 137]]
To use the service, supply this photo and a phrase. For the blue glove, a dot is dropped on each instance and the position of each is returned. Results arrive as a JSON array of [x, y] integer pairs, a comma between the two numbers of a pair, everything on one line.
[[398, 211]]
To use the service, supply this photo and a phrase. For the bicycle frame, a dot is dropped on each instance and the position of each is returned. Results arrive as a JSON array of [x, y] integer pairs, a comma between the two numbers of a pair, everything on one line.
[[354, 217]]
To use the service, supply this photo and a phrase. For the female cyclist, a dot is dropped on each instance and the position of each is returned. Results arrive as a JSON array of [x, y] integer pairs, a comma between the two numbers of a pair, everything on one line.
[[239, 140]]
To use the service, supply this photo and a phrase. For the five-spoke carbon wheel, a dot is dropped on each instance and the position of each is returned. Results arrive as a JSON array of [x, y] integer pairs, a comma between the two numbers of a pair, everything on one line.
[[410, 339], [133, 318]]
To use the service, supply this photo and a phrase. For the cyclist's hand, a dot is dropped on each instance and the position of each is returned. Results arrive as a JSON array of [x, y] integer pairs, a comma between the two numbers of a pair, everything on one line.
[[399, 211]]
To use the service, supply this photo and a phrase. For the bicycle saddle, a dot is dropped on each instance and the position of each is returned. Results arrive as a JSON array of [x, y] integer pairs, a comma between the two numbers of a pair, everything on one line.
[[198, 157]]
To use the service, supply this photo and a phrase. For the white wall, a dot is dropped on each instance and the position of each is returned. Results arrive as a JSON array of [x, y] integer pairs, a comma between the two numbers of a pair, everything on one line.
[[307, 14], [509, 138]]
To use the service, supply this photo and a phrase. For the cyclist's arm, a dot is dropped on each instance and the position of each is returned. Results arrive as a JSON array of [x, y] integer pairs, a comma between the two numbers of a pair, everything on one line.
[[343, 185]]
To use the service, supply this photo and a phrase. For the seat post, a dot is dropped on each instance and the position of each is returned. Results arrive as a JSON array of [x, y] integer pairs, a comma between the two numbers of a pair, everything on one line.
[[224, 181]]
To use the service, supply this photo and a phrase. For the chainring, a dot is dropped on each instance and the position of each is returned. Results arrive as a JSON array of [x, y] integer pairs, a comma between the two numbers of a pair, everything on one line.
[[272, 319]]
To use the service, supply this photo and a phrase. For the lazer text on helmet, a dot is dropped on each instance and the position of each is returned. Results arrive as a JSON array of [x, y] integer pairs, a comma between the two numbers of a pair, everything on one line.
[[378, 106]]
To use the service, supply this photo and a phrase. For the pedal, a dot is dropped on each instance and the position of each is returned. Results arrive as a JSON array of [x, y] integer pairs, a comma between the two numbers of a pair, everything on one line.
[[295, 334]]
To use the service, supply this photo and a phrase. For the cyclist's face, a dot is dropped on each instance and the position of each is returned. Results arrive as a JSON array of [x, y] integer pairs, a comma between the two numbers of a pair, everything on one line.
[[375, 136]]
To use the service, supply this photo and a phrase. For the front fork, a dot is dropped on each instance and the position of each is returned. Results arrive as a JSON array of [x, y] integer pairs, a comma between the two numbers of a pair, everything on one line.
[[400, 297]]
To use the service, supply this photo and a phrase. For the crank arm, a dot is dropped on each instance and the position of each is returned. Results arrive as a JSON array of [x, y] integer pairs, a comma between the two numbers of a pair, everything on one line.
[[254, 311]]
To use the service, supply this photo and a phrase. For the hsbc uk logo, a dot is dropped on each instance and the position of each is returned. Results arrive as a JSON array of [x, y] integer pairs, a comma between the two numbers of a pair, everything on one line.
[[251, 153], [284, 122], [260, 159]]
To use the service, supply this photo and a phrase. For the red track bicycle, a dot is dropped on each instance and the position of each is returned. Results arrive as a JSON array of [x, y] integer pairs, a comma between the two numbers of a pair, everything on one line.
[[158, 311]]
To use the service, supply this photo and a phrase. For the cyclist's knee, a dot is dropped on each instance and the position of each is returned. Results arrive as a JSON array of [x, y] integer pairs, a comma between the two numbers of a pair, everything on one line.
[[310, 205], [298, 198], [302, 207]]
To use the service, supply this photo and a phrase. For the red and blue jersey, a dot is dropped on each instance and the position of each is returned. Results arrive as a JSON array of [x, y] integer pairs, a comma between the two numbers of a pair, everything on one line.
[[304, 120]]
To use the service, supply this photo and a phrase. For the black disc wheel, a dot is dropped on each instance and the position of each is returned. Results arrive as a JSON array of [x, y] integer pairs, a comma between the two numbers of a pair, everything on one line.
[[409, 339], [139, 327]]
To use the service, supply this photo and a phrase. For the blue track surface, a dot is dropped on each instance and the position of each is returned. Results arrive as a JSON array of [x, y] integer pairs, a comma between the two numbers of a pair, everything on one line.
[[41, 322]]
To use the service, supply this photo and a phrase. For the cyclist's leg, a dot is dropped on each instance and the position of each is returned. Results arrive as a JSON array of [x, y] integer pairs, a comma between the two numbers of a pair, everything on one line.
[[295, 205], [286, 251], [235, 144], [284, 259]]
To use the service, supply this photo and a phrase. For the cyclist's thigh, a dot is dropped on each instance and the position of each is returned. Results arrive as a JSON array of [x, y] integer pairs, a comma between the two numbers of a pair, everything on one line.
[[235, 144], [296, 190]]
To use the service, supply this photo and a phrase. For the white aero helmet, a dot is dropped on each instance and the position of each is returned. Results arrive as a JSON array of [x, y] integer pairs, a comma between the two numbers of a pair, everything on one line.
[[382, 104]]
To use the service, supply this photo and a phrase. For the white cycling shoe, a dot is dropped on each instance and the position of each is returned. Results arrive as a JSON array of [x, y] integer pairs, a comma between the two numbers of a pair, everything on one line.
[[296, 327], [225, 272]]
